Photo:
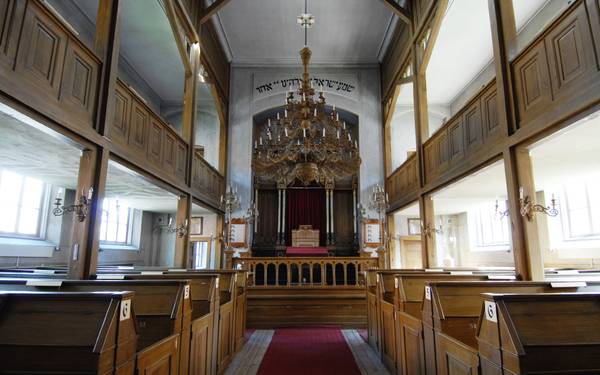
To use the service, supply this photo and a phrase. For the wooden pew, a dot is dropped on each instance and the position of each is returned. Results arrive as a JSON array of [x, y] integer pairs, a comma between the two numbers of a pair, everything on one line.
[[67, 333], [372, 308], [401, 296], [451, 313], [225, 342], [556, 333], [204, 296], [241, 280], [163, 315]]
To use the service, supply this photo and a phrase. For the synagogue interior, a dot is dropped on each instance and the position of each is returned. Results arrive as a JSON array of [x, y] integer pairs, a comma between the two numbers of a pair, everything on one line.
[[386, 187]]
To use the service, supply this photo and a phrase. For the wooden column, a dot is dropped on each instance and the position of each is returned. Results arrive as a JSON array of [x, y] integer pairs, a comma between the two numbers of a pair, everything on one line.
[[106, 45], [517, 163], [92, 173], [219, 248], [391, 245], [79, 255], [529, 264], [182, 258], [428, 249]]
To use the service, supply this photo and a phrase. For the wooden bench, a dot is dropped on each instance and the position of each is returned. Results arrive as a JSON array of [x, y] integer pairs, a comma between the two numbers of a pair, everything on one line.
[[372, 308], [67, 333], [204, 297], [450, 317], [227, 286], [400, 302], [163, 315], [540, 334]]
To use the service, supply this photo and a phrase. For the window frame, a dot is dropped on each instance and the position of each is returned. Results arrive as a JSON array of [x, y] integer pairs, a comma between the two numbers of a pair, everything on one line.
[[129, 234], [42, 219]]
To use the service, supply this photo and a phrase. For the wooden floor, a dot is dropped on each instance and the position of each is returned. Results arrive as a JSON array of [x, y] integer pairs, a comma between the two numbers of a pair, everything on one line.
[[247, 362]]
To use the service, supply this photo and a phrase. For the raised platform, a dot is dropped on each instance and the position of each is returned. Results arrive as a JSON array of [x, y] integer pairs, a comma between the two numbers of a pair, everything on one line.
[[306, 251], [306, 306]]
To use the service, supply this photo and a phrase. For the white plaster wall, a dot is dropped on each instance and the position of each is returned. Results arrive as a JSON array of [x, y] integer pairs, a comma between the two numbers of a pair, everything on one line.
[[243, 107]]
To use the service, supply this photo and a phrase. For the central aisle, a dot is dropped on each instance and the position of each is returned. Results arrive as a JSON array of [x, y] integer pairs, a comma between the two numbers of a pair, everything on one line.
[[314, 351]]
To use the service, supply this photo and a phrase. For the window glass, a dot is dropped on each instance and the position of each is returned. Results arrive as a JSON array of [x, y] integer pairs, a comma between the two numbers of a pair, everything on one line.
[[139, 226], [566, 171], [405, 243], [453, 76], [80, 15], [149, 60], [37, 184], [116, 222], [208, 125], [204, 239], [533, 16], [402, 127], [471, 227]]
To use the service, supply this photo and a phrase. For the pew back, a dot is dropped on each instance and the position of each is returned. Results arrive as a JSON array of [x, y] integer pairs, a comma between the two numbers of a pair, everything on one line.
[[84, 333]]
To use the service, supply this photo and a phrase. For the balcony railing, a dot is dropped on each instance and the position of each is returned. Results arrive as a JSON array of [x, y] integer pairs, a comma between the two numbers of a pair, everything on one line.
[[317, 272]]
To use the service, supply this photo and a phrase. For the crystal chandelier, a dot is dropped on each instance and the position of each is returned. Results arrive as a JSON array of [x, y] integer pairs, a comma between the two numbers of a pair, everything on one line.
[[308, 143]]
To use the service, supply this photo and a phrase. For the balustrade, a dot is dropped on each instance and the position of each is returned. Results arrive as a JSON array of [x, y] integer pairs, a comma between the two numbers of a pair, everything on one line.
[[315, 272]]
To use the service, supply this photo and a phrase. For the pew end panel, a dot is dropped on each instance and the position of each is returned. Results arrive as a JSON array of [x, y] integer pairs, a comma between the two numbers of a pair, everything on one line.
[[49, 332], [556, 333]]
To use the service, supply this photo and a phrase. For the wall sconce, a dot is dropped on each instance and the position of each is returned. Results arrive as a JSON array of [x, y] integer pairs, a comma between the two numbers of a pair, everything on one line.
[[180, 231], [528, 208], [499, 215], [80, 210], [428, 230]]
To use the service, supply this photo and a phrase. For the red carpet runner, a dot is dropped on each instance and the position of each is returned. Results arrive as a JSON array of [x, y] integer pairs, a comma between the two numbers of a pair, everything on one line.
[[308, 351]]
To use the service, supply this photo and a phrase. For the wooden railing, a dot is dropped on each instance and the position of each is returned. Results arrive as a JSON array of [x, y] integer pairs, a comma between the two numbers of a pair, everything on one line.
[[469, 131], [315, 272], [403, 181], [44, 64], [145, 136], [206, 180]]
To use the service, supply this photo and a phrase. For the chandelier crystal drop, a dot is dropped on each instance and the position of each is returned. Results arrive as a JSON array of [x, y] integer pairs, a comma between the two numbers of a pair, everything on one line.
[[308, 142]]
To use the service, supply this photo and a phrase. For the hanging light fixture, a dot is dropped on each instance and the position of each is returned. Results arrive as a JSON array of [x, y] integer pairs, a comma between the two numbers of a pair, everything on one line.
[[307, 143]]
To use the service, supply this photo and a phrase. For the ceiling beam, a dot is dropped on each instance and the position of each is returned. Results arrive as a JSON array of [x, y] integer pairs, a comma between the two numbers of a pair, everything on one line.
[[401, 8], [216, 6]]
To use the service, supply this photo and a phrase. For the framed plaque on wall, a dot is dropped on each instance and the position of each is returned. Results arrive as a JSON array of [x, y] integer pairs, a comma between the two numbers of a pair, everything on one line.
[[372, 233], [237, 233]]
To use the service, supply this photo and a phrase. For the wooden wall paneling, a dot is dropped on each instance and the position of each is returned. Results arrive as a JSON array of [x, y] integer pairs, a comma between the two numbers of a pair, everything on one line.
[[118, 131], [430, 159], [138, 134], [266, 234], [593, 7], [343, 205], [42, 51], [169, 153], [181, 163], [473, 127], [573, 63], [532, 84], [155, 143], [79, 86], [456, 140], [443, 155], [11, 18], [489, 112]]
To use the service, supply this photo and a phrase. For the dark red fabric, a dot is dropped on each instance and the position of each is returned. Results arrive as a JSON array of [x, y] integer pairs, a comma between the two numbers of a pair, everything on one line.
[[306, 251], [308, 351], [305, 207]]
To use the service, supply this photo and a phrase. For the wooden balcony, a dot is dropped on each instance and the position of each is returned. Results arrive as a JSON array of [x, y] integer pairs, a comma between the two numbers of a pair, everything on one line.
[[403, 184], [207, 182]]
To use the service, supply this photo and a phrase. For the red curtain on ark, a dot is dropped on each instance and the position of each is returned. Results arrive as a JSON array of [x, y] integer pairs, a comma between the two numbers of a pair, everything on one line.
[[305, 207]]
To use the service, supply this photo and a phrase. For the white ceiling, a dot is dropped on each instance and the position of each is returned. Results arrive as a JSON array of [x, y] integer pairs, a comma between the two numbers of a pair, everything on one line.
[[31, 149], [265, 32], [133, 190], [484, 186], [568, 155]]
